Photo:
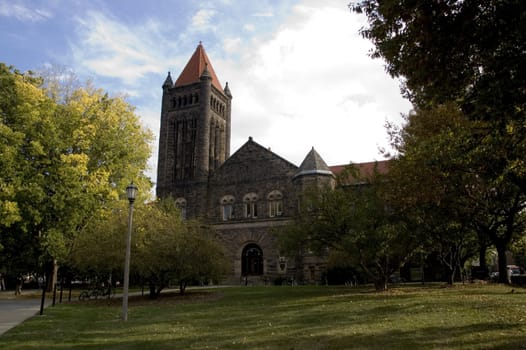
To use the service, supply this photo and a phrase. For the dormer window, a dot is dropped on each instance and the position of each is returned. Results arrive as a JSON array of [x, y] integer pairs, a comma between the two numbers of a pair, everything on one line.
[[227, 207], [275, 203], [250, 205], [180, 203]]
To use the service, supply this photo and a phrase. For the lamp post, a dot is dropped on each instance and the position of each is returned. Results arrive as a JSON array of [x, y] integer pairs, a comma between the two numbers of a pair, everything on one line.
[[131, 193]]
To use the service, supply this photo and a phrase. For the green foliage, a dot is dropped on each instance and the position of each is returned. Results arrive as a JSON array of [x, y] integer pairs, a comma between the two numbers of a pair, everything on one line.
[[168, 249], [445, 176], [64, 161], [471, 52], [99, 248], [356, 221], [165, 249], [462, 65]]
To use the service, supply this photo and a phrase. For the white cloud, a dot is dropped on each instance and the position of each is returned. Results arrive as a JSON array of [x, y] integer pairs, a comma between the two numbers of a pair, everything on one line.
[[249, 27], [111, 49], [151, 120], [23, 13], [232, 45], [202, 20], [263, 14], [313, 84]]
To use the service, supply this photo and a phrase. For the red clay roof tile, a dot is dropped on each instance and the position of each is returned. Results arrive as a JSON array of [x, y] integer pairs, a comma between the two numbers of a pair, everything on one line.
[[365, 170], [195, 67]]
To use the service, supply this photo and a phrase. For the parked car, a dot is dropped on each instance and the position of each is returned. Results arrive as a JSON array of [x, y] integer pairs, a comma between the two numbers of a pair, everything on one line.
[[395, 279], [494, 276], [515, 270]]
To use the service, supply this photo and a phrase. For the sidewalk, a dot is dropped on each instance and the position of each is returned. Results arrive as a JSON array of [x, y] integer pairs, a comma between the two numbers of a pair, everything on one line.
[[16, 309]]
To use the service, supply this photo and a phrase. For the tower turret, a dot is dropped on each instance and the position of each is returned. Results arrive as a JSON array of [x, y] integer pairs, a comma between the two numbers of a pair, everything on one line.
[[228, 114], [203, 141], [194, 138], [168, 83], [313, 171]]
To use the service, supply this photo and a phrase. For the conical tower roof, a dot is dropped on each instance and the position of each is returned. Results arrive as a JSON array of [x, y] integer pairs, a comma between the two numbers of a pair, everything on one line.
[[227, 90], [313, 164], [168, 81], [195, 67]]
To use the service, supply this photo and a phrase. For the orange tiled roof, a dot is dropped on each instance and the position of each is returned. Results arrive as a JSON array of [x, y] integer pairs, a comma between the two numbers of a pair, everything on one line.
[[365, 170], [195, 67]]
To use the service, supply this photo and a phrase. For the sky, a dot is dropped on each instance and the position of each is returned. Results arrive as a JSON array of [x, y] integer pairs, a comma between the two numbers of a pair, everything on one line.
[[299, 71]]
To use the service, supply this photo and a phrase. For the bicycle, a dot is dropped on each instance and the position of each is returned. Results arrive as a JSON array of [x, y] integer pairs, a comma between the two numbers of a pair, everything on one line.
[[94, 293]]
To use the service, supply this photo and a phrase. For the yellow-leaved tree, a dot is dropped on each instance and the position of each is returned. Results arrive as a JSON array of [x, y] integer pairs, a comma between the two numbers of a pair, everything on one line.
[[67, 160]]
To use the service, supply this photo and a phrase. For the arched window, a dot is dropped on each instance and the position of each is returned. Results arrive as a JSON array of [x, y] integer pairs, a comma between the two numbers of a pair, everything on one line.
[[275, 203], [251, 206], [252, 260], [227, 207], [180, 203]]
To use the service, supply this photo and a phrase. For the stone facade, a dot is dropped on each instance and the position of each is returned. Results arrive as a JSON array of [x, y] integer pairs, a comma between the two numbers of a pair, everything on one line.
[[245, 197]]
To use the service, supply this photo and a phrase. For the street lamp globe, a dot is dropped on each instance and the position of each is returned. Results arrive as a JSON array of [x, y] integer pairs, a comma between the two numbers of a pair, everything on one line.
[[131, 192]]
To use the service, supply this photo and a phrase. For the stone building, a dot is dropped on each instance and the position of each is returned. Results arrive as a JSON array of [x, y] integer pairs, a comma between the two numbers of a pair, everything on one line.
[[243, 197]]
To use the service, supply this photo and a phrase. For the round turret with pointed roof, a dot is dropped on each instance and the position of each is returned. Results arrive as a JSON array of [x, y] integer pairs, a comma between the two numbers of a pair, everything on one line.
[[313, 164]]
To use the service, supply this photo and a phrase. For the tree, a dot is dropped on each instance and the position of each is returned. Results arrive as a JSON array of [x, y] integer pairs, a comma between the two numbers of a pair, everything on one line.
[[98, 249], [67, 160], [357, 221], [26, 118], [170, 250], [449, 182], [165, 249], [472, 54]]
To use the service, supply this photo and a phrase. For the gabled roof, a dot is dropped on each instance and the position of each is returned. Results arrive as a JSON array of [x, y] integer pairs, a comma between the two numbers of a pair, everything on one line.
[[251, 163], [362, 171], [313, 164], [194, 69]]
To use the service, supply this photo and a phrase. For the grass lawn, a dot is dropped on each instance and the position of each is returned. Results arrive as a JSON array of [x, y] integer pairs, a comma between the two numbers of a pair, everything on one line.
[[304, 317]]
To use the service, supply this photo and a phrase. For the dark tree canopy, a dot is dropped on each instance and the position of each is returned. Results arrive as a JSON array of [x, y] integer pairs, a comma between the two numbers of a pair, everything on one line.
[[469, 57], [446, 181], [472, 51], [355, 224]]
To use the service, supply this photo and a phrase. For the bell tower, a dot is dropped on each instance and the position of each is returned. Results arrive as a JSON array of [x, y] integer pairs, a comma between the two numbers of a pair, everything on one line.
[[194, 139]]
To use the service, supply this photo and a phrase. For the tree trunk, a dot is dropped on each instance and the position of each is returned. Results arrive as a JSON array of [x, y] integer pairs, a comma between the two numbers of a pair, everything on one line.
[[182, 287], [451, 271], [482, 257], [153, 292], [51, 273], [502, 263], [380, 284], [161, 287]]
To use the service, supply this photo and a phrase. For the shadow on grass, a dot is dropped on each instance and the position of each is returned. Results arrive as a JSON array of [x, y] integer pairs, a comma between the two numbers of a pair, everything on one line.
[[425, 338], [285, 318]]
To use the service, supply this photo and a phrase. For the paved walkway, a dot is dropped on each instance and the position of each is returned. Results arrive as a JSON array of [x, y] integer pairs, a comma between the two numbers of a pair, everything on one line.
[[15, 310]]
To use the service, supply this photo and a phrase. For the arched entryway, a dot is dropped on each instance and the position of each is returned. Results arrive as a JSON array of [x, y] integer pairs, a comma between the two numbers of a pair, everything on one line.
[[252, 260]]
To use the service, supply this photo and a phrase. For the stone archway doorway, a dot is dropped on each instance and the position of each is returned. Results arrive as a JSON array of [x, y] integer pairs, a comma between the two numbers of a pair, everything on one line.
[[252, 260]]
